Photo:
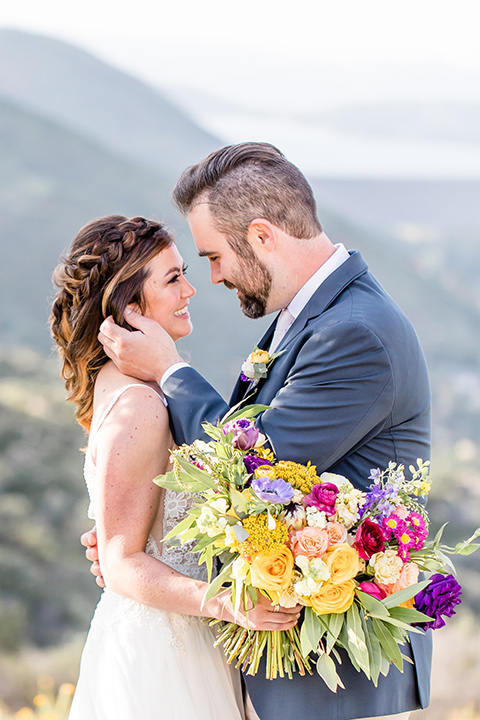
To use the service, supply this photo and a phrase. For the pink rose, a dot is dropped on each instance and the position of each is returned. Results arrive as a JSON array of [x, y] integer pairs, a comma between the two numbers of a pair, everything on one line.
[[336, 532], [313, 542], [373, 589], [408, 576], [323, 497], [369, 539]]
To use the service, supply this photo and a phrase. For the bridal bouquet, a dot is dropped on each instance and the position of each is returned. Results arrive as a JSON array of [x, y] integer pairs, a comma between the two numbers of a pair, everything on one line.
[[351, 558]]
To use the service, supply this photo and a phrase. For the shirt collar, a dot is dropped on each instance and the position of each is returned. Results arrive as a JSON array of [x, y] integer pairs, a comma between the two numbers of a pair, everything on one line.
[[302, 297]]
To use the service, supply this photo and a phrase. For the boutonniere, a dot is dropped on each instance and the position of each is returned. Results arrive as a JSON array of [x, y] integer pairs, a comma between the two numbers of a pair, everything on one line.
[[257, 364]]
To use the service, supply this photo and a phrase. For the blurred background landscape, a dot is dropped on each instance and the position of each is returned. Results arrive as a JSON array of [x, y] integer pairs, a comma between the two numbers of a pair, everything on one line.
[[86, 131]]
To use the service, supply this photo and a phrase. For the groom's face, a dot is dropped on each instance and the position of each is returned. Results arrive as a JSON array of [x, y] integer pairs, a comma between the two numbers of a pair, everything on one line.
[[243, 273]]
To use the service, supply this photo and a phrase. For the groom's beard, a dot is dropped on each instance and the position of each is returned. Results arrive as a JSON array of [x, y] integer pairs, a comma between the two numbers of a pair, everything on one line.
[[255, 285]]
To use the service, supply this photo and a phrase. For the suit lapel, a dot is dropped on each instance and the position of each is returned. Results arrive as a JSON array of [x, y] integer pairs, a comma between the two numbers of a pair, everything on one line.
[[242, 387], [328, 291]]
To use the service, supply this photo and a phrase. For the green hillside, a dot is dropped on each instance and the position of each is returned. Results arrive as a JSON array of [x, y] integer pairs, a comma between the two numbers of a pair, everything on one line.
[[67, 84]]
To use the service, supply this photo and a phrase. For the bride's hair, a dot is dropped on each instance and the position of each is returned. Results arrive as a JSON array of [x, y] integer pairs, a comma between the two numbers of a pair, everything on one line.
[[103, 271]]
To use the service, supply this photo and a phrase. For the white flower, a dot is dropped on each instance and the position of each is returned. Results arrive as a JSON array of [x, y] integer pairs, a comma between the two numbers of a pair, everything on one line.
[[248, 370], [315, 518], [315, 572], [387, 566], [240, 569], [209, 523]]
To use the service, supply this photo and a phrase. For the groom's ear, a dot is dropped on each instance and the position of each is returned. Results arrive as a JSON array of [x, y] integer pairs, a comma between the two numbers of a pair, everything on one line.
[[262, 235]]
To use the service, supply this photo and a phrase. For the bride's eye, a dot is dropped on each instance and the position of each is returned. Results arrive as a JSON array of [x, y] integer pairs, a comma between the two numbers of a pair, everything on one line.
[[177, 277]]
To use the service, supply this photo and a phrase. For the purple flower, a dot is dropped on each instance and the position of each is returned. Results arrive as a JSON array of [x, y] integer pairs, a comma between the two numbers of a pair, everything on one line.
[[252, 462], [274, 491], [437, 599], [323, 497], [245, 434]]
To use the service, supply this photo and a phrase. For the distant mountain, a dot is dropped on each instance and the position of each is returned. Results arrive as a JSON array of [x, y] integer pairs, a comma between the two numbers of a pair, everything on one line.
[[52, 181], [66, 84], [432, 120]]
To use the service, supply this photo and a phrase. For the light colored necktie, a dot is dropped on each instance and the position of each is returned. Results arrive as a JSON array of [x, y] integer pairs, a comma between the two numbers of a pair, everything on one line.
[[285, 320]]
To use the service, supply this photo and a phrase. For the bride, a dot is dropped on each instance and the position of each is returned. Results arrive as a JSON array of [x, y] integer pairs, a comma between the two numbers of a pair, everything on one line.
[[148, 653]]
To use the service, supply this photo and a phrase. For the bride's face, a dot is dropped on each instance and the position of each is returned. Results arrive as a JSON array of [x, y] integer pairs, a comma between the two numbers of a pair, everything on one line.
[[167, 292]]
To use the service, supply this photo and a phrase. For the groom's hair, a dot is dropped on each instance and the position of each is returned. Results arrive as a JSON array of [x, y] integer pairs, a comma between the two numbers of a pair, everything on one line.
[[247, 181]]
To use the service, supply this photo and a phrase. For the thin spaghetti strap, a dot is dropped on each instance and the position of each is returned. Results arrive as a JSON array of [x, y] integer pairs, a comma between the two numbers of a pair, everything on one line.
[[112, 402]]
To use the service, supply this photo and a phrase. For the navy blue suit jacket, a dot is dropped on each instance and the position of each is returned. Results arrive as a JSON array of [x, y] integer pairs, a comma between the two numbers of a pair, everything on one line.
[[350, 393]]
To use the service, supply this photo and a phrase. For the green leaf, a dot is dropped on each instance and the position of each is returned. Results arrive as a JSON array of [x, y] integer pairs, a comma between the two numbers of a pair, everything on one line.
[[371, 604], [335, 624], [446, 560], [328, 672], [439, 534], [356, 638], [249, 412], [408, 615], [182, 526], [389, 647], [169, 482], [374, 650], [403, 595], [467, 549], [239, 502], [215, 586], [198, 479], [310, 632], [205, 541]]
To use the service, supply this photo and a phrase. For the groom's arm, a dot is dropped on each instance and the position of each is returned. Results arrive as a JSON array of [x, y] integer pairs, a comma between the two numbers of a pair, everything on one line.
[[191, 401]]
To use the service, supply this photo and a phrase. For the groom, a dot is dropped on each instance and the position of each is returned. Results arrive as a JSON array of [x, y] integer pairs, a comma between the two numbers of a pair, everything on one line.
[[349, 392]]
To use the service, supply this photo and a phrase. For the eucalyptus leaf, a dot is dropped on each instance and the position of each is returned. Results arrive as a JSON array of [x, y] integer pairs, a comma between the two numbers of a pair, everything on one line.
[[371, 604], [328, 672], [408, 615], [198, 479], [215, 586], [390, 648], [248, 411], [403, 595], [169, 482], [310, 632]]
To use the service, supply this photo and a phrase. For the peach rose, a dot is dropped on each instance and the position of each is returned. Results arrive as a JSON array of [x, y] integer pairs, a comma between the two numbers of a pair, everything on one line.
[[273, 572], [343, 562], [408, 576], [336, 532], [312, 542], [333, 598]]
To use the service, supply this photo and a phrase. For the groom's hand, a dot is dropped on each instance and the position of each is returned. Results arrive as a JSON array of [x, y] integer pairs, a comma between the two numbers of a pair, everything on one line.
[[146, 354]]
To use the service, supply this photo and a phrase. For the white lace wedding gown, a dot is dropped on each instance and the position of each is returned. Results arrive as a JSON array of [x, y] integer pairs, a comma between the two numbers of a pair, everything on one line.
[[140, 663]]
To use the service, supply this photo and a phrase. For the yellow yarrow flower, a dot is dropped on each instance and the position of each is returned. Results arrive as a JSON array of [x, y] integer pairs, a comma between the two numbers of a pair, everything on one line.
[[301, 477], [261, 539], [265, 453]]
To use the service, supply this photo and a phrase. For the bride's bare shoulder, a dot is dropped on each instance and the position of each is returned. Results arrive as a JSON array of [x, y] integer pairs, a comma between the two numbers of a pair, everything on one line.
[[110, 381]]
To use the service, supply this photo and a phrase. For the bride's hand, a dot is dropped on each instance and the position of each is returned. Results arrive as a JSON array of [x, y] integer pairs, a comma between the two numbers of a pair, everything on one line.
[[263, 616], [89, 540]]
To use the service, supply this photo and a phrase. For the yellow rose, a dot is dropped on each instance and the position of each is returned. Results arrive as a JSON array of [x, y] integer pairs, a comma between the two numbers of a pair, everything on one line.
[[273, 572], [343, 563], [265, 471], [259, 356], [333, 598]]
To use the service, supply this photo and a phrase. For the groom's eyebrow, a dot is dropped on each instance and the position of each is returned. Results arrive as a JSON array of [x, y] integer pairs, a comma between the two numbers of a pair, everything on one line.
[[206, 253]]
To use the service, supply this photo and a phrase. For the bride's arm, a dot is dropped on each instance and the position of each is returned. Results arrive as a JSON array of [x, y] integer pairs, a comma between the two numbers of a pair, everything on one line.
[[131, 449]]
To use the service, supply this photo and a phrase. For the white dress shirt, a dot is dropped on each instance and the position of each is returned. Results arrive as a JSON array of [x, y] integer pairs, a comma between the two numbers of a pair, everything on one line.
[[297, 304]]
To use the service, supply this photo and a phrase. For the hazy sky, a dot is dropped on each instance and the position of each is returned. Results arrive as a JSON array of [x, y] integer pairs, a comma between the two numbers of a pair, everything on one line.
[[344, 31], [274, 61]]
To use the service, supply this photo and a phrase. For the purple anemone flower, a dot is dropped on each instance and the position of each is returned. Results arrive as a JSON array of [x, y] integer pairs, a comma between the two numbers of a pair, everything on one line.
[[252, 462], [274, 491], [245, 434]]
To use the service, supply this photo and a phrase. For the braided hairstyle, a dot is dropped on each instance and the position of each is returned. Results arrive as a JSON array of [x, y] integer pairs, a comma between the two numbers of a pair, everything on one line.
[[104, 270]]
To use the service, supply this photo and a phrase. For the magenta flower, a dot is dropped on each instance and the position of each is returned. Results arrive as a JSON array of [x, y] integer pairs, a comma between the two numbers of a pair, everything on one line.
[[372, 589], [417, 526], [369, 539], [245, 434], [323, 497], [392, 525], [437, 599]]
